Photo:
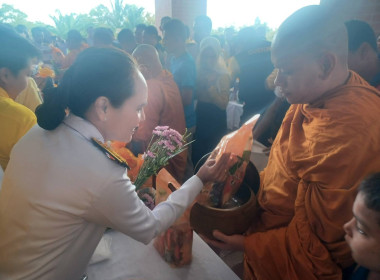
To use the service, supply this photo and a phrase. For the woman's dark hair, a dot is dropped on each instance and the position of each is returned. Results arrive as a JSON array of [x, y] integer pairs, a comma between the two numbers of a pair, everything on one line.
[[370, 188], [96, 72]]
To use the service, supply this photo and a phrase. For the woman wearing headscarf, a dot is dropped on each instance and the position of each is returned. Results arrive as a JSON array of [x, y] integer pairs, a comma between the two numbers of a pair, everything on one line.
[[213, 84]]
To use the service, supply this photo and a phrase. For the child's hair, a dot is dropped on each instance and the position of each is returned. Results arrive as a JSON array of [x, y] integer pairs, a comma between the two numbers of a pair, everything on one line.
[[15, 51], [176, 28], [96, 72], [370, 188]]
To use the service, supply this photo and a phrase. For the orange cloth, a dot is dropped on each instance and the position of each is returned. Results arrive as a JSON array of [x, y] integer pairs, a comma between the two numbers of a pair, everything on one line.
[[320, 155], [164, 109], [69, 59]]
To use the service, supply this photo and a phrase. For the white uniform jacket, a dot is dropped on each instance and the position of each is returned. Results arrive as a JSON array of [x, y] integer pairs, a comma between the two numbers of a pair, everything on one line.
[[60, 192]]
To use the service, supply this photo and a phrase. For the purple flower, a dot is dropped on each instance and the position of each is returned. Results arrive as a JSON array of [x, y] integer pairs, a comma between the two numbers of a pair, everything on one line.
[[162, 128], [169, 146], [148, 154], [157, 132]]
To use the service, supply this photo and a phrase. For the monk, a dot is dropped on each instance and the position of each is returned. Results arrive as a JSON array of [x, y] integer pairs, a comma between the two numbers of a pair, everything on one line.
[[328, 142], [164, 105]]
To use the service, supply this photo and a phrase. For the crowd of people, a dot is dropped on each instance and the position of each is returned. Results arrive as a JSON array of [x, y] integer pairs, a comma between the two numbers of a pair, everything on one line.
[[315, 87]]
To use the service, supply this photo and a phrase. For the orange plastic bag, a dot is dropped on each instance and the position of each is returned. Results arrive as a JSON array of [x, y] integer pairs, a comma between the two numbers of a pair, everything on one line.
[[175, 244], [239, 144]]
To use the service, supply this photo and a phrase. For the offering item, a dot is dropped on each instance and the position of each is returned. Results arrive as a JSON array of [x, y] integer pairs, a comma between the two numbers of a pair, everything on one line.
[[230, 206], [175, 244]]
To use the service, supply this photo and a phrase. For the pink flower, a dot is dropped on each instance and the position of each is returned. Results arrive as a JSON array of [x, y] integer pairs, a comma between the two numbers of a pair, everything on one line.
[[162, 128], [148, 154], [157, 132], [169, 146]]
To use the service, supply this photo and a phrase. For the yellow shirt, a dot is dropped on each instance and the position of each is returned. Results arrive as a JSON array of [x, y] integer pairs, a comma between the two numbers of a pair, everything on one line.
[[15, 121], [30, 96]]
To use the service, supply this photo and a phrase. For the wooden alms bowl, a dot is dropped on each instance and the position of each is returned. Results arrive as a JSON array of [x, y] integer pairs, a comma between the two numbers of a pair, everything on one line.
[[204, 219]]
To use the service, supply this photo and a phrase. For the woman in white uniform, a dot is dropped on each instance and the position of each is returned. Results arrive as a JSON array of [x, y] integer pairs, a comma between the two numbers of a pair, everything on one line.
[[60, 192]]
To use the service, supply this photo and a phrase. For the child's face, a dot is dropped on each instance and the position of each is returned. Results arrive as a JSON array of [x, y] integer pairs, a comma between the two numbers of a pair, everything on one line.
[[363, 235]]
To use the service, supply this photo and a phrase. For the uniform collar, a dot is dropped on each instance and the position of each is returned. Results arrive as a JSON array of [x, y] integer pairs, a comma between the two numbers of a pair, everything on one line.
[[83, 127], [3, 93]]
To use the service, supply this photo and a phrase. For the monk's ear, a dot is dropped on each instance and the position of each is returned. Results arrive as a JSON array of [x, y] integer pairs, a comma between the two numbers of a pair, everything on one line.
[[327, 63], [363, 50]]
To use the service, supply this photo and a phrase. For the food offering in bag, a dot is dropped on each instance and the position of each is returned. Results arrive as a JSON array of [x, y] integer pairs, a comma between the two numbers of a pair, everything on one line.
[[175, 244]]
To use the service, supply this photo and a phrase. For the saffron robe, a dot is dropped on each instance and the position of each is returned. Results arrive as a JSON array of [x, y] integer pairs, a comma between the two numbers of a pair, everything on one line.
[[321, 153], [164, 108]]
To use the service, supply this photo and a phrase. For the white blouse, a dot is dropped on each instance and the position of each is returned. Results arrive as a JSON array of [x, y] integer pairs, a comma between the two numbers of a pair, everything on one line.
[[59, 194]]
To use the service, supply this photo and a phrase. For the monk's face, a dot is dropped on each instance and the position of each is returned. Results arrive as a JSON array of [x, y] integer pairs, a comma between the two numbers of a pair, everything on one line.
[[298, 76], [363, 235]]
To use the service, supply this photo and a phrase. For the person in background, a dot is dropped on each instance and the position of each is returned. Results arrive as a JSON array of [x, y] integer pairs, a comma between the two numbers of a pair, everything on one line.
[[90, 36], [164, 106], [363, 54], [213, 89], [23, 31], [127, 40], [139, 29], [162, 23], [229, 45], [328, 142], [103, 37], [252, 65], [151, 37], [75, 43], [363, 230], [51, 56], [183, 68], [60, 191], [16, 54], [31, 96], [202, 28]]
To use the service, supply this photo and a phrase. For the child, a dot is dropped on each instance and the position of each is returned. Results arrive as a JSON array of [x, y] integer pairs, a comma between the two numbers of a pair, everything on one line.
[[363, 230]]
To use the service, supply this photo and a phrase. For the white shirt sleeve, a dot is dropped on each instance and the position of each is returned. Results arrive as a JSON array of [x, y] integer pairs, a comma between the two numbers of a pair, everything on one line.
[[119, 207]]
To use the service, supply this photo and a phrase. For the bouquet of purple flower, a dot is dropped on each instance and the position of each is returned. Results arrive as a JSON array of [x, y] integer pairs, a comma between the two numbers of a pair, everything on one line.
[[165, 144]]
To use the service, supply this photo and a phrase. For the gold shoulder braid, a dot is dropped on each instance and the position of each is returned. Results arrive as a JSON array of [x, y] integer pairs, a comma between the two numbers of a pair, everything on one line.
[[109, 153]]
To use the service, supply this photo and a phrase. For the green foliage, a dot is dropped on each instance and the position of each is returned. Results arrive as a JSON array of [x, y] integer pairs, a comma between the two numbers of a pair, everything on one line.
[[12, 16], [63, 23], [258, 25], [119, 16]]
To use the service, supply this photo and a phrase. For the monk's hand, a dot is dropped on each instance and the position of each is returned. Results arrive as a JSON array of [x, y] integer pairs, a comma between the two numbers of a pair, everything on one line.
[[226, 242], [214, 171]]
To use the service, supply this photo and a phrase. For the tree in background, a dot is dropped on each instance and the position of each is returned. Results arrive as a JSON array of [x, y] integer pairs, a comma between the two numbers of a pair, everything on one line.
[[119, 16]]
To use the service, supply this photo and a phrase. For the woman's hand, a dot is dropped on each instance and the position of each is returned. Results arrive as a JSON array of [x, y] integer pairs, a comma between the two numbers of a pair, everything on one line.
[[226, 242], [214, 171]]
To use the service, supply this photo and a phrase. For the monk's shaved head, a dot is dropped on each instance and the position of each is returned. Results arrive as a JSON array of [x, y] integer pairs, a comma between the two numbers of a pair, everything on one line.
[[310, 52], [146, 54], [312, 30], [148, 60]]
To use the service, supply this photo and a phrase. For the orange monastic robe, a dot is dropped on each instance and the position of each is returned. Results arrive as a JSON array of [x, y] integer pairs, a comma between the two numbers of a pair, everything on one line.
[[164, 109], [320, 155]]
